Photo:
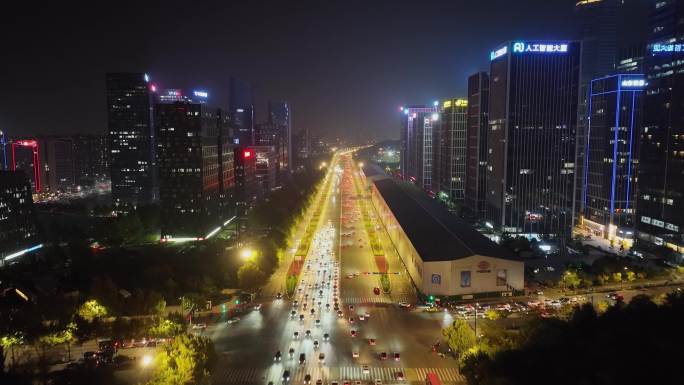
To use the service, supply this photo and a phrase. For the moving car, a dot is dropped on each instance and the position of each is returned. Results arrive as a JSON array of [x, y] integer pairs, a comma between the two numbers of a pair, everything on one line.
[[404, 305], [383, 356], [302, 359], [233, 320], [307, 379], [399, 376], [321, 358], [286, 376], [353, 333], [371, 341], [365, 369], [397, 357], [257, 306], [199, 326], [277, 356], [355, 354]]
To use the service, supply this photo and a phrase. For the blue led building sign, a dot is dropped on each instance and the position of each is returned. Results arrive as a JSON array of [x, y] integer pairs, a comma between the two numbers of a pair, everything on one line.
[[527, 47], [658, 48], [498, 53], [201, 94], [633, 83]]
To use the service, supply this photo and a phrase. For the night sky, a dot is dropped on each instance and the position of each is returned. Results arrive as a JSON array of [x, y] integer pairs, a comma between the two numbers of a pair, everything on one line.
[[345, 66]]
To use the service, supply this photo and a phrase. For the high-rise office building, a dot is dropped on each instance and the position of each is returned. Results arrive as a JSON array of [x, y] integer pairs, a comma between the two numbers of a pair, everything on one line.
[[450, 140], [59, 160], [91, 159], [246, 187], [191, 157], [416, 139], [266, 168], [476, 155], [5, 157], [17, 215], [241, 112], [131, 139], [608, 184], [660, 201], [531, 140], [279, 115]]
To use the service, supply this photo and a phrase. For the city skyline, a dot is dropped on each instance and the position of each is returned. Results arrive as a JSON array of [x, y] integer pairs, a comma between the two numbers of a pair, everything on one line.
[[324, 93]]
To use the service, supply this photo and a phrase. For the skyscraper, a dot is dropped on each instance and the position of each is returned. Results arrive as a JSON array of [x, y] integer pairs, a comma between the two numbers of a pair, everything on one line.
[[17, 214], [279, 116], [611, 147], [661, 162], [91, 159], [131, 139], [449, 168], [190, 154], [531, 140], [416, 137], [476, 157], [241, 112]]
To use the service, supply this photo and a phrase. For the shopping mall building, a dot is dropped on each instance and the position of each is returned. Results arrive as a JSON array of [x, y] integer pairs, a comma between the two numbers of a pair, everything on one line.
[[444, 256]]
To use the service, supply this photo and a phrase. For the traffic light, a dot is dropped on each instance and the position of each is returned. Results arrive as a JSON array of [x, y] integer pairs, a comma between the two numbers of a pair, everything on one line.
[[432, 298]]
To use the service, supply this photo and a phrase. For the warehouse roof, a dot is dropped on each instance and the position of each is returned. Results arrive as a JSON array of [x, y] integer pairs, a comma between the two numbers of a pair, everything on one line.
[[436, 234]]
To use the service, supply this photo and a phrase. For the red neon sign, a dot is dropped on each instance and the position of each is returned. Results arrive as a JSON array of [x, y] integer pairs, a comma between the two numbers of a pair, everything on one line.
[[247, 154]]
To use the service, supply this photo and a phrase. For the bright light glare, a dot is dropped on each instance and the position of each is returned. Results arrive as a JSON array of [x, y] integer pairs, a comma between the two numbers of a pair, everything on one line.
[[146, 360], [247, 254]]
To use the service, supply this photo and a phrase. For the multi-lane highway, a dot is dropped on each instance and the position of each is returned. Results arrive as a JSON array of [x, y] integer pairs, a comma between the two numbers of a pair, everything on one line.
[[335, 274]]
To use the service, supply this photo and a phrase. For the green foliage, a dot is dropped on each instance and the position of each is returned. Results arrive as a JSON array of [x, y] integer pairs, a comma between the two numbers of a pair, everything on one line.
[[571, 279], [459, 336], [91, 310], [617, 277], [187, 359], [167, 328], [290, 284], [589, 348], [250, 276], [63, 336], [492, 314], [385, 283]]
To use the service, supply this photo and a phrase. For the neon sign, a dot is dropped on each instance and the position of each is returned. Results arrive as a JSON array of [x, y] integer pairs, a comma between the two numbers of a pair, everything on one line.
[[498, 53], [636, 83], [523, 47], [667, 48], [201, 94]]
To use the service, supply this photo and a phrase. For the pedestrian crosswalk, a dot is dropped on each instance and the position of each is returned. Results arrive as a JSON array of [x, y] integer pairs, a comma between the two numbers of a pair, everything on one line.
[[388, 375], [380, 299]]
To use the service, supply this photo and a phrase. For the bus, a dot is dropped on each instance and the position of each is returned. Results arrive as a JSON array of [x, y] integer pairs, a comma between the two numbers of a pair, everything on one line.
[[432, 379]]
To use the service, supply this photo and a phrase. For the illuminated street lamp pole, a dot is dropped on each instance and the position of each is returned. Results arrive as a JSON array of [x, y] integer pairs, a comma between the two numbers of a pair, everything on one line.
[[146, 362]]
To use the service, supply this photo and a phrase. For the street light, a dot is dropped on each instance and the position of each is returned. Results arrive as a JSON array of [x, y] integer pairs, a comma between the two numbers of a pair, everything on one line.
[[146, 362], [247, 254], [360, 164]]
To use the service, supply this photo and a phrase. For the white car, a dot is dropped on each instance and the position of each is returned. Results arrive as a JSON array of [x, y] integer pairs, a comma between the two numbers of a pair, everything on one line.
[[199, 326]]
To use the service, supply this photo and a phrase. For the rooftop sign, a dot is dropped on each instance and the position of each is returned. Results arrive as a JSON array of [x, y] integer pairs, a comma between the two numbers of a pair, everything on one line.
[[534, 47]]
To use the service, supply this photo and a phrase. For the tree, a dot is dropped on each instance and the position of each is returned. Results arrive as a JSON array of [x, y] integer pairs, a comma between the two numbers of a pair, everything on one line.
[[91, 310], [167, 328], [250, 276], [10, 341], [186, 360], [631, 276], [64, 336], [492, 314], [617, 277], [459, 336], [571, 279]]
